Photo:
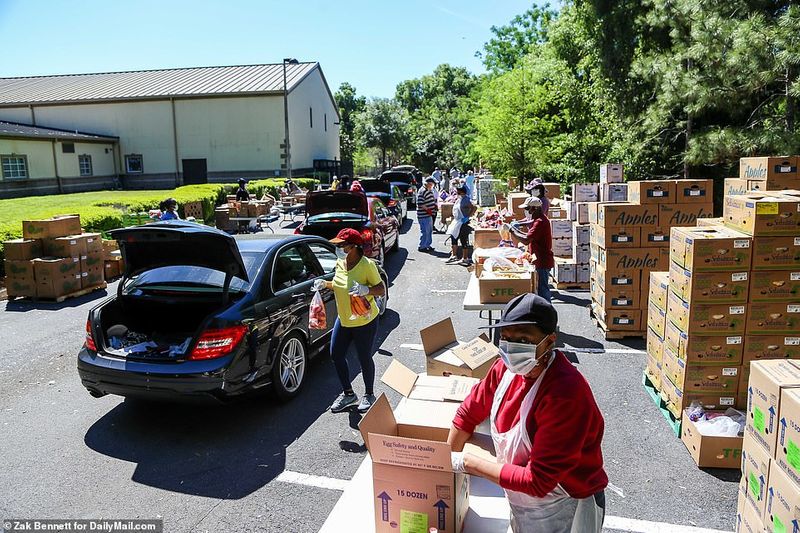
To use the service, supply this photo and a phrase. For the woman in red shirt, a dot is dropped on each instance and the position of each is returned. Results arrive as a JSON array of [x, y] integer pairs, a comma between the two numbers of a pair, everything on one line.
[[546, 427], [539, 239]]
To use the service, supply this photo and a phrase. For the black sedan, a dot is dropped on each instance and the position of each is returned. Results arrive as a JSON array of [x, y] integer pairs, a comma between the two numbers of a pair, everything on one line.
[[389, 195], [200, 315]]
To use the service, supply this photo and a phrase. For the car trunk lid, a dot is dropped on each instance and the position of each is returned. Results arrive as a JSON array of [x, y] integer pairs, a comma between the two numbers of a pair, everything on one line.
[[345, 202]]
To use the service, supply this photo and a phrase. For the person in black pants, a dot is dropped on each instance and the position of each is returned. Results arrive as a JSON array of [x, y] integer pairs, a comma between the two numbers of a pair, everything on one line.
[[241, 193]]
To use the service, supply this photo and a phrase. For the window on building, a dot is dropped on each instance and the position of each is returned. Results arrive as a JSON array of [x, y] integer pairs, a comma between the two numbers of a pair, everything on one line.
[[85, 164], [325, 116], [68, 148], [14, 166], [134, 164], [311, 117]]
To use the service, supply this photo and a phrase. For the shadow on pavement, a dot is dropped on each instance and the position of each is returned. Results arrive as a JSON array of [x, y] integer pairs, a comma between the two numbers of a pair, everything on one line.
[[394, 264], [225, 452], [23, 305], [568, 298], [406, 226], [729, 475], [577, 341]]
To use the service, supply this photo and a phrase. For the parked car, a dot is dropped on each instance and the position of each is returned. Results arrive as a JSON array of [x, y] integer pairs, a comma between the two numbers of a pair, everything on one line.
[[410, 168], [328, 212], [201, 314], [405, 181], [390, 195]]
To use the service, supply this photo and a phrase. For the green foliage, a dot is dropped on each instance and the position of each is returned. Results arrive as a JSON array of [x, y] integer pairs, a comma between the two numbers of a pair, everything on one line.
[[384, 125], [350, 105], [515, 40]]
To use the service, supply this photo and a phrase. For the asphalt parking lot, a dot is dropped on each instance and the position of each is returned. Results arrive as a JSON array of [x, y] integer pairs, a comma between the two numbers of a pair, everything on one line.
[[235, 468]]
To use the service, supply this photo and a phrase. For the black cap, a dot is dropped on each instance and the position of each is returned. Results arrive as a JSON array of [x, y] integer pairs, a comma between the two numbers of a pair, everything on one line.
[[529, 309], [430, 179]]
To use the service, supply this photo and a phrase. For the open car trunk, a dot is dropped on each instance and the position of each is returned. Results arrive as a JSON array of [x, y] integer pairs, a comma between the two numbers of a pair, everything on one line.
[[327, 229], [153, 329]]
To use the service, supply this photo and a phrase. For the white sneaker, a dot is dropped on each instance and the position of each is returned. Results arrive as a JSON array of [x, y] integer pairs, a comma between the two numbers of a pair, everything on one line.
[[451, 260]]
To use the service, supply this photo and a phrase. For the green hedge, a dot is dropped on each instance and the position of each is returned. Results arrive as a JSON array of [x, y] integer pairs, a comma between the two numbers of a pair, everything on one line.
[[104, 210]]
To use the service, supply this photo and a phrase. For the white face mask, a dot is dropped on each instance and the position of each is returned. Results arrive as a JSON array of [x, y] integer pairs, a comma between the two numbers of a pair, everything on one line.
[[341, 253], [519, 357]]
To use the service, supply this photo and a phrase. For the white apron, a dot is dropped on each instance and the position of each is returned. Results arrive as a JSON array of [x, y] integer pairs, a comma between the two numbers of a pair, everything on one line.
[[455, 225], [556, 512]]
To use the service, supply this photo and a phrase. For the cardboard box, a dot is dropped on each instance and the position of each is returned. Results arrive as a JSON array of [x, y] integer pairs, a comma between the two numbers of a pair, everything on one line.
[[552, 190], [619, 319], [694, 191], [19, 269], [20, 287], [515, 200], [775, 286], [768, 318], [564, 271], [656, 319], [709, 287], [617, 278], [722, 350], [561, 229], [615, 236], [776, 253], [765, 347], [706, 379], [558, 212], [653, 371], [757, 214], [92, 260], [655, 237], [710, 452], [92, 277], [621, 260], [94, 242], [658, 287], [655, 346], [581, 253], [706, 319], [562, 248], [683, 214], [445, 355], [58, 226], [581, 233], [756, 464], [22, 249], [585, 192], [611, 173], [56, 287], [413, 482], [613, 192], [783, 501], [747, 518], [761, 168], [787, 453], [582, 273], [717, 222], [109, 246], [709, 249], [651, 192], [767, 378], [623, 215], [486, 237], [776, 183], [735, 187], [503, 290], [70, 246], [56, 267], [676, 400], [113, 268], [582, 213], [616, 297]]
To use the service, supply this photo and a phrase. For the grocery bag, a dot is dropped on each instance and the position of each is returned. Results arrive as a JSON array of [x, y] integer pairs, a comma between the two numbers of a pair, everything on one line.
[[317, 318]]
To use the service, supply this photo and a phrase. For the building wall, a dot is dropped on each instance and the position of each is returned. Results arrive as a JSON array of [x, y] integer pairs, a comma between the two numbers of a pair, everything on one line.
[[38, 152], [102, 159], [307, 142], [21, 115]]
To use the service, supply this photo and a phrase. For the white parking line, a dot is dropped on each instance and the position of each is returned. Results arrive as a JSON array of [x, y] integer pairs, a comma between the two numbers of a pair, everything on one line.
[[447, 291]]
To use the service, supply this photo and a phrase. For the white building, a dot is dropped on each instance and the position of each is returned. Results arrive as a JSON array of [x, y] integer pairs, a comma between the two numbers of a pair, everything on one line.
[[165, 127]]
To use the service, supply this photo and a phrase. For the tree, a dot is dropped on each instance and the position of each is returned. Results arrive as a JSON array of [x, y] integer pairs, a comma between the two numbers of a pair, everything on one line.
[[383, 125], [350, 106], [515, 40]]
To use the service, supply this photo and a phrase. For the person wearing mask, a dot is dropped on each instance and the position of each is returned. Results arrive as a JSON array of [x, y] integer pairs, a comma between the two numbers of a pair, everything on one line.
[[169, 209], [470, 183], [355, 275], [426, 206], [334, 184], [437, 175], [242, 195], [545, 424], [356, 186], [459, 228], [536, 188], [538, 238]]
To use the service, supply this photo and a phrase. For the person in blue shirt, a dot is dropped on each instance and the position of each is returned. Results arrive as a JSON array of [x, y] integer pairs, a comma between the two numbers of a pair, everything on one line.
[[169, 209]]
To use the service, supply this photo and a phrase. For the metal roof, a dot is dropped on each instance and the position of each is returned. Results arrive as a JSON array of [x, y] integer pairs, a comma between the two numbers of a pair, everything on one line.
[[12, 129], [152, 84]]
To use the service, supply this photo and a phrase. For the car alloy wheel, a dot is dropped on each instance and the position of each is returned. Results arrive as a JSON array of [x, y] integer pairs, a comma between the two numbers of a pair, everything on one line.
[[290, 369]]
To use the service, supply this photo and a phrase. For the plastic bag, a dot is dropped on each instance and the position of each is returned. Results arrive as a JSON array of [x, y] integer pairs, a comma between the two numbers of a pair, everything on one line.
[[720, 426], [499, 263], [359, 307], [317, 318]]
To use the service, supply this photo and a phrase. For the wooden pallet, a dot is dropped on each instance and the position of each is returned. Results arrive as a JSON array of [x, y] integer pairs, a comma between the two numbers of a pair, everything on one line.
[[617, 334], [60, 299], [574, 286], [655, 397]]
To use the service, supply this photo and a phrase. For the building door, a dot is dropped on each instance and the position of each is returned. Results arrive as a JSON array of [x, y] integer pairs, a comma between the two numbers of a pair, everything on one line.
[[194, 171]]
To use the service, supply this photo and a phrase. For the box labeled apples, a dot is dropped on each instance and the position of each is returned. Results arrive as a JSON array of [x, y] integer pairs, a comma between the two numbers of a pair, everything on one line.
[[655, 236], [764, 347], [710, 452], [767, 379], [783, 501], [683, 214], [22, 249], [735, 187], [651, 192], [621, 260], [623, 214], [619, 319], [767, 318], [707, 249], [562, 247], [58, 226], [709, 287], [616, 297], [761, 215], [756, 464], [787, 453], [615, 237], [706, 319], [617, 278], [761, 168], [694, 191], [775, 285], [776, 253], [724, 350], [445, 355], [659, 287], [611, 173], [585, 192], [561, 229]]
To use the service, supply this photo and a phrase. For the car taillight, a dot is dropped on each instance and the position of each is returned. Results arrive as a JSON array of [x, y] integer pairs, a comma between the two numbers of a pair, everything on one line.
[[391, 203], [218, 342], [298, 230], [366, 235], [89, 342], [411, 190]]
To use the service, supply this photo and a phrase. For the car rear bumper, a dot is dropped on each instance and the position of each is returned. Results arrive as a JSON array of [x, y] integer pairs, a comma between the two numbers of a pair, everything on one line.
[[201, 381]]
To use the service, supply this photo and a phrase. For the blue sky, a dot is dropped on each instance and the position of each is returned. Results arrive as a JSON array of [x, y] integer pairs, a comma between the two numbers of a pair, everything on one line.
[[372, 44]]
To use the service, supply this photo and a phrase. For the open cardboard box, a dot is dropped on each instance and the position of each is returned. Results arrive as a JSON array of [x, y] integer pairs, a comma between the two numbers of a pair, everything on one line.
[[711, 452], [414, 486], [445, 355]]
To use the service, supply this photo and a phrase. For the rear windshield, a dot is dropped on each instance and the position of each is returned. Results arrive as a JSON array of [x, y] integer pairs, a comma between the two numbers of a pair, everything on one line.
[[397, 176], [376, 186], [341, 203], [196, 279]]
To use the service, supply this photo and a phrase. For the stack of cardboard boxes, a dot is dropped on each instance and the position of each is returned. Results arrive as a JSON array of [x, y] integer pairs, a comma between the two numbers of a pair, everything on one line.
[[769, 492], [630, 240], [764, 174], [53, 259]]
